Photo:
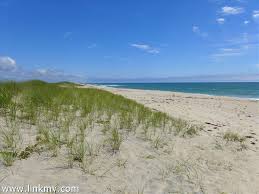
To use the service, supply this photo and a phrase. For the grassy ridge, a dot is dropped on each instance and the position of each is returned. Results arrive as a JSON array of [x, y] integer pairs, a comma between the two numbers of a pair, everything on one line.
[[56, 108]]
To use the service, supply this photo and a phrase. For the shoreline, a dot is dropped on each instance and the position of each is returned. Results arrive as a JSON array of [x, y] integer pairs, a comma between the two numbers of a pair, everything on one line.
[[175, 92], [223, 112]]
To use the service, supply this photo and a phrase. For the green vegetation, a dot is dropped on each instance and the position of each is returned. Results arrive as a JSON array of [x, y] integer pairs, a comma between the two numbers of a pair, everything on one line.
[[8, 158], [235, 137], [56, 108], [24, 154], [115, 140], [10, 142], [183, 128]]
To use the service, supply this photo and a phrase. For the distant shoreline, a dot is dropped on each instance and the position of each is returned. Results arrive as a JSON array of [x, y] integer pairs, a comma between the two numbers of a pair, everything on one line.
[[120, 86]]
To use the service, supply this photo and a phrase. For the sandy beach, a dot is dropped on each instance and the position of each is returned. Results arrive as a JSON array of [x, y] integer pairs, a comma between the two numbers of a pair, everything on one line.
[[217, 114], [204, 163]]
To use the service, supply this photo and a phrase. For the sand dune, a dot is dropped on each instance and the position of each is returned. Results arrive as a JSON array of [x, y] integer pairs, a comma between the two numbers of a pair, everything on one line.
[[205, 163]]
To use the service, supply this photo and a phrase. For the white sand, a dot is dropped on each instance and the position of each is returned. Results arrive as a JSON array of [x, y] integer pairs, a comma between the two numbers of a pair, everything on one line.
[[202, 164]]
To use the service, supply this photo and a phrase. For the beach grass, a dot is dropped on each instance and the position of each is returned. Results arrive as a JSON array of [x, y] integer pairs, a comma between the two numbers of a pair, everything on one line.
[[56, 108], [234, 137], [8, 158]]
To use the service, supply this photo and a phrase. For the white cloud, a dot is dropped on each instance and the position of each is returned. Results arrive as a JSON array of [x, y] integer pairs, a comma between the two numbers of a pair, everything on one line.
[[227, 10], [197, 31], [146, 48], [141, 46], [237, 46], [242, 40], [42, 71], [229, 52], [56, 75], [256, 14], [221, 20], [7, 63], [226, 54], [10, 71], [246, 22], [48, 72], [153, 51]]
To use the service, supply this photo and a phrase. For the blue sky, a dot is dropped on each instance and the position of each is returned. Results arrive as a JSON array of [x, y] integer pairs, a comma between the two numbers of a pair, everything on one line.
[[102, 40]]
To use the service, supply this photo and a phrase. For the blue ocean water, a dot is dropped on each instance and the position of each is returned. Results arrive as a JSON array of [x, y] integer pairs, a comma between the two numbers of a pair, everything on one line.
[[234, 89]]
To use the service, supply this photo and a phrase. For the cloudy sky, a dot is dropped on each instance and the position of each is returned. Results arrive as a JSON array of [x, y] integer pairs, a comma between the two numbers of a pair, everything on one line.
[[88, 40]]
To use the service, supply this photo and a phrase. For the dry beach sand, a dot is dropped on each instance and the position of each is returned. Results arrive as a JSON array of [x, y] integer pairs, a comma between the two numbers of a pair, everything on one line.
[[205, 163]]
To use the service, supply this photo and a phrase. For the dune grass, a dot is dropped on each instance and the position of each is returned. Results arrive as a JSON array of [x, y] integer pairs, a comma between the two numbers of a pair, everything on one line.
[[234, 137], [239, 140], [56, 107], [8, 158], [115, 140]]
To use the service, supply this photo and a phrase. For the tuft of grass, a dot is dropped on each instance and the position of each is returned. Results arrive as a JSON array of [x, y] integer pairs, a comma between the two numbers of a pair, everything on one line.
[[7, 91], [234, 137], [50, 138], [183, 128], [115, 140], [106, 127], [69, 145], [10, 140], [8, 157], [157, 142], [191, 130], [79, 151], [179, 125]]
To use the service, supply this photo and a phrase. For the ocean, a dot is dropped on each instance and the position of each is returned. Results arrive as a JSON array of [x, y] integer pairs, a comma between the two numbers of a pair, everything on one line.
[[248, 90]]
